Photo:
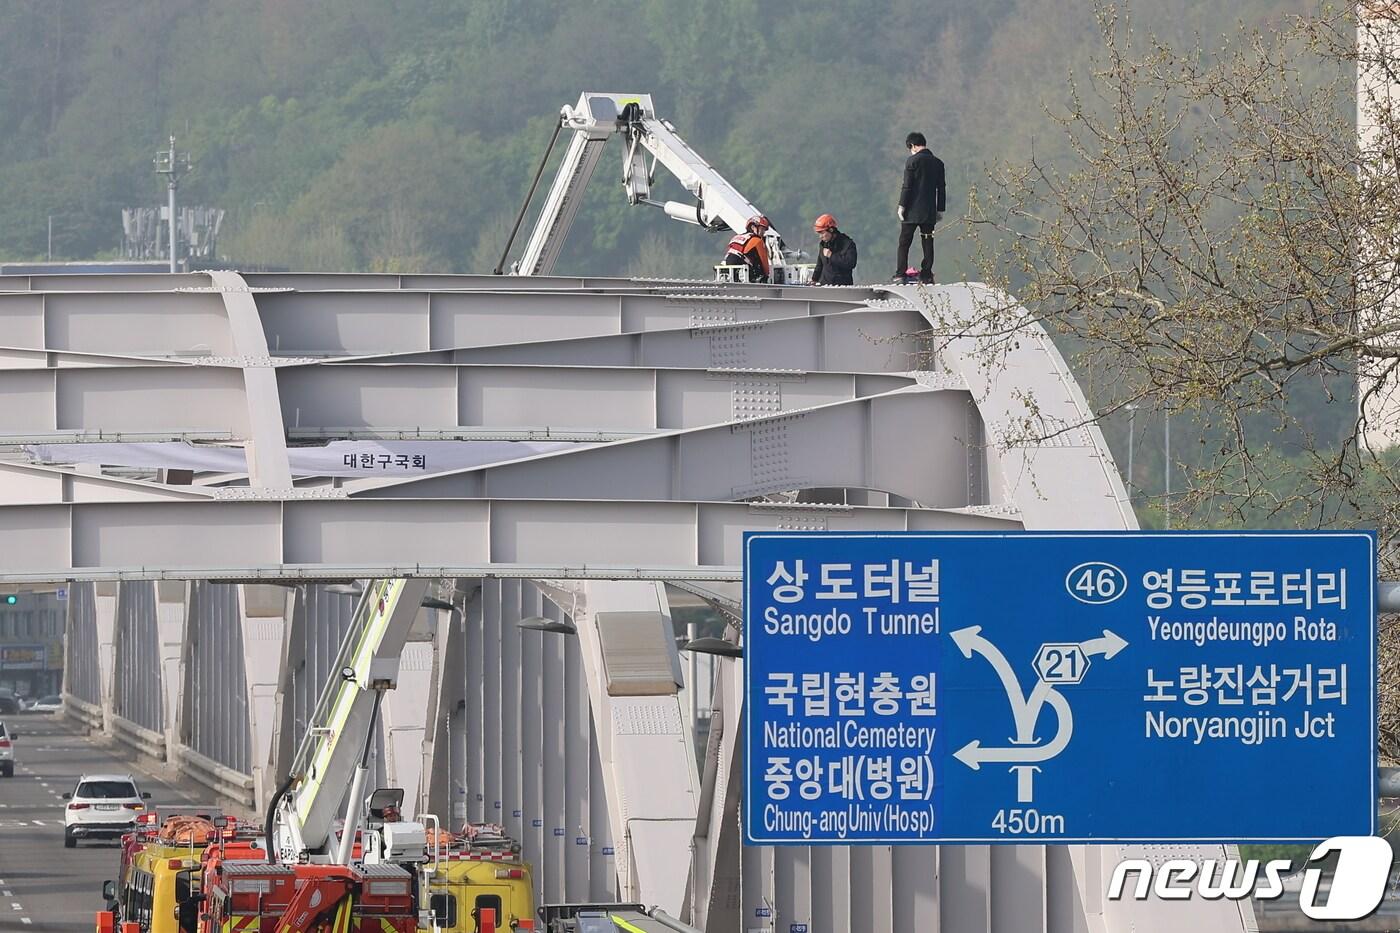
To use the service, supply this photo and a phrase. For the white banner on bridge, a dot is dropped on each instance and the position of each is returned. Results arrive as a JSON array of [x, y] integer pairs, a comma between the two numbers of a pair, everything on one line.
[[338, 458]]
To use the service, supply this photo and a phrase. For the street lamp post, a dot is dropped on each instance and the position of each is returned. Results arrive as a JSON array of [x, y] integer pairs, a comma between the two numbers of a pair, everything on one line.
[[1167, 463], [173, 165], [1132, 416]]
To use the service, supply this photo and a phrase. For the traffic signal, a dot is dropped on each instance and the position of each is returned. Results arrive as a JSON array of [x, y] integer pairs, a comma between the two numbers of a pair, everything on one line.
[[11, 600]]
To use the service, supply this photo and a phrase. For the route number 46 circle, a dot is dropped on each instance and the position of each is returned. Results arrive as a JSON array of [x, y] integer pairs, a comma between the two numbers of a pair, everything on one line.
[[1096, 583]]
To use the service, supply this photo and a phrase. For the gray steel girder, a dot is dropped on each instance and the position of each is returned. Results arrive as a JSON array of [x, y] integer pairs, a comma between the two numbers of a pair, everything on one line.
[[354, 538], [267, 441], [745, 458], [173, 402], [382, 281], [861, 340], [213, 325]]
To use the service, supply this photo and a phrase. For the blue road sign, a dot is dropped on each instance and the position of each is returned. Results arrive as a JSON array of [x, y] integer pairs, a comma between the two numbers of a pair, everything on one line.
[[1059, 687]]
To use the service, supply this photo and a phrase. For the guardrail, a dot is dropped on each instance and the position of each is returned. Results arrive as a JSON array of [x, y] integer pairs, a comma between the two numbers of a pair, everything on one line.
[[235, 785], [146, 741], [85, 713], [1284, 916]]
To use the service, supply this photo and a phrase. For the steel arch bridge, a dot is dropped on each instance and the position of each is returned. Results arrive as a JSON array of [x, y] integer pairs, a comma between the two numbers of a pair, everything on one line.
[[206, 459]]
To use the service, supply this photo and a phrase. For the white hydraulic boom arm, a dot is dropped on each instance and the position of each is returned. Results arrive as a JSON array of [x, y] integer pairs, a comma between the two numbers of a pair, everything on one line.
[[594, 120], [339, 732]]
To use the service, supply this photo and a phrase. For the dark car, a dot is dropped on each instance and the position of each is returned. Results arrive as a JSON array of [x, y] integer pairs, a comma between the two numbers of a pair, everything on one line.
[[9, 706]]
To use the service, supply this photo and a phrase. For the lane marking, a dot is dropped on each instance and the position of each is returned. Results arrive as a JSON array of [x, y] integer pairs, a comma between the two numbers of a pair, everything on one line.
[[37, 822], [25, 920]]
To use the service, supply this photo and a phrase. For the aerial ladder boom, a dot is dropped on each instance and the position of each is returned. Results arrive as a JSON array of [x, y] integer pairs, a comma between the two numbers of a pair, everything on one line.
[[341, 730], [718, 203], [595, 119], [565, 195]]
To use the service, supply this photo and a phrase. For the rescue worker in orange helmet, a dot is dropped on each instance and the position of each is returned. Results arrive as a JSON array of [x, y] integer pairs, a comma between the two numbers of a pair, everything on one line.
[[836, 256], [748, 248]]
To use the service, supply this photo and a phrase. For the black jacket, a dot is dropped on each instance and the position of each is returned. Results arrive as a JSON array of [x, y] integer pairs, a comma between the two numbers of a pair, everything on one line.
[[837, 268], [923, 192]]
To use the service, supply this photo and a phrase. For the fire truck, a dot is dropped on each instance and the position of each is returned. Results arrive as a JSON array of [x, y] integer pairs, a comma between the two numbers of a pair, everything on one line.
[[167, 843], [477, 881], [464, 883], [252, 895]]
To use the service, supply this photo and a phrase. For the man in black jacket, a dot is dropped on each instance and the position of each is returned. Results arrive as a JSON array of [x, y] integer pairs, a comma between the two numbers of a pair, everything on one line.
[[836, 254], [921, 204]]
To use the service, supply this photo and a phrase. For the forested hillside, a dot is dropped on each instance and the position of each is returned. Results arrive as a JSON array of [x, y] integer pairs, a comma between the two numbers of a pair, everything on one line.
[[401, 134]]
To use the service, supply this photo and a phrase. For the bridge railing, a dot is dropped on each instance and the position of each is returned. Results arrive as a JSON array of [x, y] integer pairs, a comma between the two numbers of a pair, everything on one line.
[[82, 712], [227, 782], [146, 741]]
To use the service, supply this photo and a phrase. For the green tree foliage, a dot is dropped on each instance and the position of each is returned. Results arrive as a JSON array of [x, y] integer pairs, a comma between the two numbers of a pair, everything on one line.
[[370, 134]]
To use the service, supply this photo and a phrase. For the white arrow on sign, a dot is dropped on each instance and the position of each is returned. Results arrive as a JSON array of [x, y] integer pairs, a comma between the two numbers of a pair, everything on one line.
[[1108, 645], [970, 640], [973, 754], [1026, 710]]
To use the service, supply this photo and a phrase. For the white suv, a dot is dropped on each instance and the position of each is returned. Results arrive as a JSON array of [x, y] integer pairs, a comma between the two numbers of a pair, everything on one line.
[[7, 751], [101, 806]]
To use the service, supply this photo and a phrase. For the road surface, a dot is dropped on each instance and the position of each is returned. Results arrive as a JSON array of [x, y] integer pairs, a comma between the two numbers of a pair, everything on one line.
[[43, 887]]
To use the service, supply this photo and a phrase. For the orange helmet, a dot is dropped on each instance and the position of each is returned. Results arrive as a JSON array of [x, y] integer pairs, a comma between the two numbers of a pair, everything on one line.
[[757, 224], [824, 222]]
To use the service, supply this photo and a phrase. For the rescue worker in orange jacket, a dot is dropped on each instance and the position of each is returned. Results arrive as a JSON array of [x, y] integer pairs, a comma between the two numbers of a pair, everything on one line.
[[748, 248]]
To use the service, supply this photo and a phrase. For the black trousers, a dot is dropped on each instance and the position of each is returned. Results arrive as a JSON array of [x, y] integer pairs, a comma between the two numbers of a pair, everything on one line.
[[906, 239]]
